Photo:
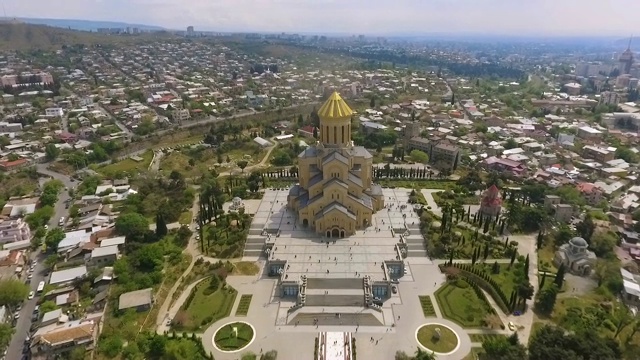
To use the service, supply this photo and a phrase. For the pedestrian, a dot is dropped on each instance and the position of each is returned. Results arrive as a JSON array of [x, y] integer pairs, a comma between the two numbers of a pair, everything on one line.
[[376, 342]]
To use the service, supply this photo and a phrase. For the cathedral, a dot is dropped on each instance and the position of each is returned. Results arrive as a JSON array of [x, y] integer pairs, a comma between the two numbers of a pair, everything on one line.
[[335, 195]]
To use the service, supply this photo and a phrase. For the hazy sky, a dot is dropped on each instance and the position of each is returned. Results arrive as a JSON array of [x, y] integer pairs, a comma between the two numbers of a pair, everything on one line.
[[504, 17]]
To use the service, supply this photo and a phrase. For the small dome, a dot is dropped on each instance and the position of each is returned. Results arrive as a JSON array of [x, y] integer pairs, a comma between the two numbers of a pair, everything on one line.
[[579, 242]]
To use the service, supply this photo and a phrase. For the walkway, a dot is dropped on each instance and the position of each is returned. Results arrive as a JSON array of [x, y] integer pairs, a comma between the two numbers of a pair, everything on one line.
[[262, 162], [428, 195], [191, 249]]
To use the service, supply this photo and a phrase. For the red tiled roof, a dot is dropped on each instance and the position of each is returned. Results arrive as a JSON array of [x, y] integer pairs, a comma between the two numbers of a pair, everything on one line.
[[10, 164]]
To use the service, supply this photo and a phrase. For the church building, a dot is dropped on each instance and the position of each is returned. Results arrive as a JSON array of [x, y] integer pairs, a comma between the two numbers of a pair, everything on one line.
[[335, 195]]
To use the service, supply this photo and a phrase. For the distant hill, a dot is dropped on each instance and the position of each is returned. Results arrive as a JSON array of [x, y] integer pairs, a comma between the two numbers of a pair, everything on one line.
[[21, 36], [86, 25]]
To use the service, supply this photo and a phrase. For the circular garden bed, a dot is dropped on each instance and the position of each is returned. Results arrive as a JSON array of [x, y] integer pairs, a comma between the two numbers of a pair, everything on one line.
[[437, 338], [234, 336]]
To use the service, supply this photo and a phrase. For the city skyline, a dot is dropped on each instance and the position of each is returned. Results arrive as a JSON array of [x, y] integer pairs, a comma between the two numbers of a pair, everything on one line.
[[372, 17]]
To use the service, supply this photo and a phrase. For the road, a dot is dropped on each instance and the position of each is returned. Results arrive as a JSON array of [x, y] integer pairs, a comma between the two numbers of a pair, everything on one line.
[[24, 321]]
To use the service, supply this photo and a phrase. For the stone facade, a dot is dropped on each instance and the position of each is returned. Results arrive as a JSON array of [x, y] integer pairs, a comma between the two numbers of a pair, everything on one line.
[[491, 202], [335, 195]]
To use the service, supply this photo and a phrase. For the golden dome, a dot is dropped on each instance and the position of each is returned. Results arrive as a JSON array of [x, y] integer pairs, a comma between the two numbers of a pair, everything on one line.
[[334, 108]]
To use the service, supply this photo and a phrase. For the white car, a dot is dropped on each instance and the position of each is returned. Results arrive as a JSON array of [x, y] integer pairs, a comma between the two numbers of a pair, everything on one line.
[[16, 315], [31, 295], [512, 326], [29, 276]]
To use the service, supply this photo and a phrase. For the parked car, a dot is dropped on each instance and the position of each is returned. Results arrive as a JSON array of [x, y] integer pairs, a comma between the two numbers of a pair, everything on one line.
[[31, 295]]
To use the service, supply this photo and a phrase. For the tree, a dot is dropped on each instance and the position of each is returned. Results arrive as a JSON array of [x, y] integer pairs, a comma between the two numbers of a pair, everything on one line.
[[12, 292], [503, 348], [51, 152], [603, 243], [510, 144], [242, 164], [586, 228], [622, 318], [424, 355], [372, 102], [546, 299], [110, 346], [132, 225], [53, 238], [419, 156], [553, 343], [161, 226], [559, 279], [6, 332]]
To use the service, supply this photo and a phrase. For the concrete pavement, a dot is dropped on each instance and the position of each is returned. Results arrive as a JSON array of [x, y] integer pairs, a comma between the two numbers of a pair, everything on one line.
[[14, 351]]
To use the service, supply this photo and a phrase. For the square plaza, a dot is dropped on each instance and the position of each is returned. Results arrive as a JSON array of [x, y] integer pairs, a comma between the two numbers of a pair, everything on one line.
[[335, 268]]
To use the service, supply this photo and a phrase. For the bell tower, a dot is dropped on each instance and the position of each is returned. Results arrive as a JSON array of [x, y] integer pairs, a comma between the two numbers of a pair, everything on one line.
[[335, 122]]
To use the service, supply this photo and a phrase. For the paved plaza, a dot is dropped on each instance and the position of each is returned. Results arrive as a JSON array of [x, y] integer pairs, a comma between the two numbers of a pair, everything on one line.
[[333, 267]]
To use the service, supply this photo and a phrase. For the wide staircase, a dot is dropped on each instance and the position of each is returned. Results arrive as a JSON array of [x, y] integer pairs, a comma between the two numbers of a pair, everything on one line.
[[334, 292], [254, 246], [415, 246]]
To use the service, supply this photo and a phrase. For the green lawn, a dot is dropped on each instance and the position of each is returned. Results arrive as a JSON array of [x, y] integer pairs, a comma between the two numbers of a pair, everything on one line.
[[458, 302], [443, 343], [427, 306], [127, 165], [205, 307], [482, 337], [243, 305], [234, 336], [185, 218], [545, 258]]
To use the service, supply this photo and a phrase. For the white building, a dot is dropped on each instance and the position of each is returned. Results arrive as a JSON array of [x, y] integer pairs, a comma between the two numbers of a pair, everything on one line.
[[53, 112], [609, 98], [14, 230], [180, 115]]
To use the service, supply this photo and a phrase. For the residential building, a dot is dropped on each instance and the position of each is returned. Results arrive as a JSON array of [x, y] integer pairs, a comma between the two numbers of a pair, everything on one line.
[[307, 131], [335, 195], [180, 115], [591, 193], [441, 154], [573, 88], [8, 166], [589, 133], [102, 256], [54, 112], [626, 60], [58, 340], [504, 165], [369, 127], [609, 98], [561, 212], [14, 230], [6, 127], [141, 300], [597, 153], [67, 276]]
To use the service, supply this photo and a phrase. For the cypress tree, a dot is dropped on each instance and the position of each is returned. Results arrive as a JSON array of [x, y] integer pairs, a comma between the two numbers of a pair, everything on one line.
[[559, 276], [513, 258], [544, 277], [486, 251], [526, 267], [486, 227], [161, 226]]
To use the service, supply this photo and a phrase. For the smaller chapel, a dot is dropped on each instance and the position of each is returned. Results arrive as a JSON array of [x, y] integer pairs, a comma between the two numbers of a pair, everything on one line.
[[491, 202]]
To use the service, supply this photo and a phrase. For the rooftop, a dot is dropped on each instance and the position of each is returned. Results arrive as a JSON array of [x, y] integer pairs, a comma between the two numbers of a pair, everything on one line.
[[135, 298], [335, 107]]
